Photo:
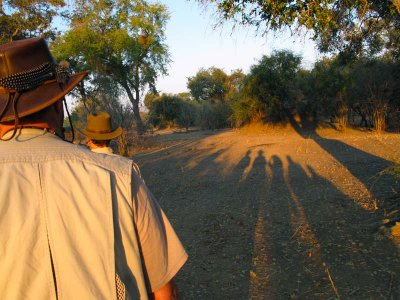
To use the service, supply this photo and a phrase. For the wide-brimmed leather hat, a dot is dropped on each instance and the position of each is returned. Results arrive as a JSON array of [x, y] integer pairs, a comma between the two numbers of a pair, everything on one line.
[[30, 79], [98, 127]]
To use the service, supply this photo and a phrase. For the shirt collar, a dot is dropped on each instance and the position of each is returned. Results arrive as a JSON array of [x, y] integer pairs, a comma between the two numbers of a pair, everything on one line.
[[28, 133]]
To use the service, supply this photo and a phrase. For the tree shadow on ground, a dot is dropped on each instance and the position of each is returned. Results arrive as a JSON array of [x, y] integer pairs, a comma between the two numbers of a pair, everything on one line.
[[367, 168]]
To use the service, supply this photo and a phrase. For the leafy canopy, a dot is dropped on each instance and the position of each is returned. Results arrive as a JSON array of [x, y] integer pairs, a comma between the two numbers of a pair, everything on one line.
[[116, 37], [208, 85], [170, 110], [352, 27], [269, 89], [123, 40], [21, 19]]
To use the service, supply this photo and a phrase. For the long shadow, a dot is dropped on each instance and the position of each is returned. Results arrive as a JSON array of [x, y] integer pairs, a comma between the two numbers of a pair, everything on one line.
[[278, 258], [207, 212], [268, 258], [366, 167], [357, 263], [269, 229], [306, 244]]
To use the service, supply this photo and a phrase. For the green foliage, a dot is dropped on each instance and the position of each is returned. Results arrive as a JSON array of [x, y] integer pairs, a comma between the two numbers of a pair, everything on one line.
[[214, 85], [122, 40], [247, 109], [149, 98], [208, 85], [305, 102], [269, 89], [213, 115], [276, 86], [215, 92], [187, 113], [170, 110], [362, 27], [374, 89], [23, 19], [234, 85], [324, 87]]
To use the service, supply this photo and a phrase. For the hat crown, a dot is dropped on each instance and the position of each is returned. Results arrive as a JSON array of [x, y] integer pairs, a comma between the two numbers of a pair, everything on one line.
[[98, 127], [100, 122], [30, 80], [20, 56]]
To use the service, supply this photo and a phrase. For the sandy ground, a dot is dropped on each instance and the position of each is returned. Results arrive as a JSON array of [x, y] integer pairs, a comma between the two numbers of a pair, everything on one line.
[[280, 213]]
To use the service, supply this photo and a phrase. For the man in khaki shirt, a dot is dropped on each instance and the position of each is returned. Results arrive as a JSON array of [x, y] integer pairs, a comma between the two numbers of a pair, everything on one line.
[[74, 224]]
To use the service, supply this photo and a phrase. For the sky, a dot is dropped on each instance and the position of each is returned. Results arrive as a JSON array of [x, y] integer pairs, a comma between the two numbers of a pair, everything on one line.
[[194, 43]]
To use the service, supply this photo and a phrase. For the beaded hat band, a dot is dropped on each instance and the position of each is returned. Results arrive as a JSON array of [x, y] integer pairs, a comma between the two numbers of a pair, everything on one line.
[[30, 80]]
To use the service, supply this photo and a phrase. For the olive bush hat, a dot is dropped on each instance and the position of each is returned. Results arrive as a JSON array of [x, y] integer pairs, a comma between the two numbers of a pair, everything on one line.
[[99, 127], [30, 79]]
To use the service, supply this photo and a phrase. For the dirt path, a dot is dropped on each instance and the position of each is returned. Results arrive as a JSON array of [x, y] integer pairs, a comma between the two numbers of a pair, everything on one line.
[[280, 215]]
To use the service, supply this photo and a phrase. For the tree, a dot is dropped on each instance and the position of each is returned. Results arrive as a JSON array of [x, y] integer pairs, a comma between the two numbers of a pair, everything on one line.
[[268, 90], [350, 27], [214, 90], [171, 110], [122, 40], [234, 84], [187, 113], [325, 89], [24, 19], [149, 98], [208, 85], [374, 90]]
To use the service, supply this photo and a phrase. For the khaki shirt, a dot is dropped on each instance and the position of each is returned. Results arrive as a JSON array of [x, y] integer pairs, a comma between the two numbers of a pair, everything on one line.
[[73, 223]]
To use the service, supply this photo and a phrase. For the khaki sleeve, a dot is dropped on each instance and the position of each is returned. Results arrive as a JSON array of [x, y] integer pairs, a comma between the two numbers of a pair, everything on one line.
[[162, 252]]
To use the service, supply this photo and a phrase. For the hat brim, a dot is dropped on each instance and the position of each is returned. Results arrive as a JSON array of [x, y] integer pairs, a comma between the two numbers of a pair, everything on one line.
[[102, 136], [35, 100]]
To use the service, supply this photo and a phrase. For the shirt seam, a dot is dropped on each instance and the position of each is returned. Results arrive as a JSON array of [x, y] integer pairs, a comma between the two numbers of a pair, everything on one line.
[[73, 157]]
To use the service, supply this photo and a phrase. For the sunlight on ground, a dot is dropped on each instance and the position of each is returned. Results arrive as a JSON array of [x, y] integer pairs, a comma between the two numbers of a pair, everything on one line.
[[244, 148], [292, 209], [242, 153]]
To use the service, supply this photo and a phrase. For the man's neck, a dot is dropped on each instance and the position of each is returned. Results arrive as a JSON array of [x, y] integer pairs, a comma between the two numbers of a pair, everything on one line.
[[93, 145], [4, 128]]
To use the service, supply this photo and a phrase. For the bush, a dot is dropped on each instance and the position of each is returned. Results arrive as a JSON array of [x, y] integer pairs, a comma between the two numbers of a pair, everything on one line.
[[246, 110], [268, 90], [213, 116], [170, 111]]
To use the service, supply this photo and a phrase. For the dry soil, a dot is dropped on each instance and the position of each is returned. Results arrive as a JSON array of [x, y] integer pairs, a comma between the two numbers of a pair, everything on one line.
[[280, 213]]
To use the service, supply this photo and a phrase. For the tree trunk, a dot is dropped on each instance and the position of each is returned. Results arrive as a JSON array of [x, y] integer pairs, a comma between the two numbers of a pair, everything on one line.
[[135, 107], [82, 92], [342, 115], [139, 123], [380, 113]]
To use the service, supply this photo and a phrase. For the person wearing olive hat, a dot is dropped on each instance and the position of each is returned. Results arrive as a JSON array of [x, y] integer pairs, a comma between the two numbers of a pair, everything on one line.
[[74, 224], [99, 133]]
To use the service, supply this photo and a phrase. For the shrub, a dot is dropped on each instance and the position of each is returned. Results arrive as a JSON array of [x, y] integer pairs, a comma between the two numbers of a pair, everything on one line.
[[170, 111], [213, 116]]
